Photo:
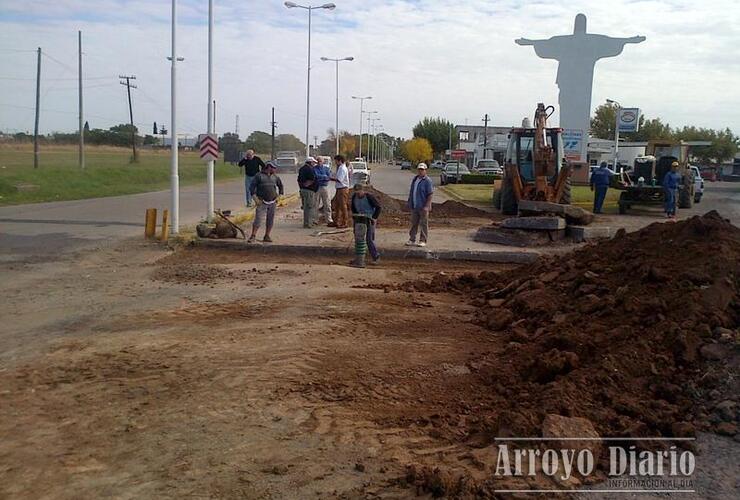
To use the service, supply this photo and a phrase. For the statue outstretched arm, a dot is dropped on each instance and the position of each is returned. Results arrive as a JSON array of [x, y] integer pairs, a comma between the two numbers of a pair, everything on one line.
[[634, 39], [526, 41]]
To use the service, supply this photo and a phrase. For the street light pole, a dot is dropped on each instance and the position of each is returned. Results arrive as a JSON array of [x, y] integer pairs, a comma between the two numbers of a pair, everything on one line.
[[309, 8], [211, 164], [362, 99], [616, 134], [174, 175], [368, 113], [336, 123]]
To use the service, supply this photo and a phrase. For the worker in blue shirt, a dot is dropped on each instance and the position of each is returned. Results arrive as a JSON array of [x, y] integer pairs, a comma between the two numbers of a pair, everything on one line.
[[671, 183], [600, 179]]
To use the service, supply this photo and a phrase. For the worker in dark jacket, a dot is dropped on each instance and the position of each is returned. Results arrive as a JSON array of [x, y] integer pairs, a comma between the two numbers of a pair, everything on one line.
[[309, 187], [252, 165], [266, 190], [600, 179], [671, 183], [365, 212]]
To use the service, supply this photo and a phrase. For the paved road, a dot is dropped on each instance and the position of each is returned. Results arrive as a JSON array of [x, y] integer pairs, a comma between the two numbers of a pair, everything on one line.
[[45, 229]]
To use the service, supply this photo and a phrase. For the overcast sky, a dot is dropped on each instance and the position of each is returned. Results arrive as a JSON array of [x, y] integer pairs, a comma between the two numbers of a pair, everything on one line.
[[452, 59]]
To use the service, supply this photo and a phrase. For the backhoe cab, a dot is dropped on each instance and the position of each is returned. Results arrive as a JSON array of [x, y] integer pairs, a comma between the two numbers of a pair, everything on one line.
[[534, 168]]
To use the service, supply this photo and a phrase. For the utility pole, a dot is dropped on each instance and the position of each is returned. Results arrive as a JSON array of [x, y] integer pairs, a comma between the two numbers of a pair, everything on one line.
[[129, 86], [82, 127], [211, 116], [174, 166], [236, 127], [38, 104], [273, 124], [485, 134]]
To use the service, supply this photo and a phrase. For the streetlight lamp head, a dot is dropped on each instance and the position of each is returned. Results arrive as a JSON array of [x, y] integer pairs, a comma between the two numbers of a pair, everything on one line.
[[329, 6], [324, 58], [290, 5], [349, 58]]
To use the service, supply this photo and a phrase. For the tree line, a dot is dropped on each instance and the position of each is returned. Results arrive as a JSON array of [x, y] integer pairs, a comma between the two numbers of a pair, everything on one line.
[[724, 143]]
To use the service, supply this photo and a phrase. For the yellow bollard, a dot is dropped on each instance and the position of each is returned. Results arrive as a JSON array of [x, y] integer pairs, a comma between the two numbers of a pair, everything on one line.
[[165, 225], [150, 225]]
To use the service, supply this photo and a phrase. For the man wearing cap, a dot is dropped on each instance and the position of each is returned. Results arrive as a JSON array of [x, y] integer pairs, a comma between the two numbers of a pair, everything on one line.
[[323, 175], [341, 198], [365, 213], [671, 183], [420, 204], [266, 190], [309, 188], [252, 165]]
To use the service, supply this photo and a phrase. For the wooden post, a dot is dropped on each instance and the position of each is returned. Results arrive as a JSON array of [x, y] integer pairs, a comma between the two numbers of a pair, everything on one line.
[[151, 223], [165, 225]]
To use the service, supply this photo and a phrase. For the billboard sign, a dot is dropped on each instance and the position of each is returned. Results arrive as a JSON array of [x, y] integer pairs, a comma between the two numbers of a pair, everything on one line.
[[573, 144], [628, 119]]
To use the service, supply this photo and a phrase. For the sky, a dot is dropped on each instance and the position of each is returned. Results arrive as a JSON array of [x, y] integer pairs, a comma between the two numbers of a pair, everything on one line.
[[416, 58]]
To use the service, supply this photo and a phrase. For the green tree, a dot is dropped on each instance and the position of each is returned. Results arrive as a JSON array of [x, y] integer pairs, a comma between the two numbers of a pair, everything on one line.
[[289, 142], [259, 141], [650, 130], [438, 132], [604, 121]]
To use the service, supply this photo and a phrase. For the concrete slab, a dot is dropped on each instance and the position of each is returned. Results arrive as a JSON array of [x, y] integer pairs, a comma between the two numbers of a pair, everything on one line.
[[504, 257], [589, 233], [534, 223], [517, 237], [530, 207]]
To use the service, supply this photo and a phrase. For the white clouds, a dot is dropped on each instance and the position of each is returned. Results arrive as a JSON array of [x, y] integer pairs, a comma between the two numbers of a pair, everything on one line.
[[451, 59]]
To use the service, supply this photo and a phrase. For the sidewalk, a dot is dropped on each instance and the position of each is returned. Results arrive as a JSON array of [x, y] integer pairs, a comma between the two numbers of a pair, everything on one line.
[[445, 243]]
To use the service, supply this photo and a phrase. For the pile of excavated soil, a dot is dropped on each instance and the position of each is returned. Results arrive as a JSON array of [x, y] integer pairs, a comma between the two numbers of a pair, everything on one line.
[[638, 334], [396, 212]]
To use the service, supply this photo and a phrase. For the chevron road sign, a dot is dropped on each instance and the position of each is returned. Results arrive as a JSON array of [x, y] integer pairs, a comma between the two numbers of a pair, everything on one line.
[[208, 147]]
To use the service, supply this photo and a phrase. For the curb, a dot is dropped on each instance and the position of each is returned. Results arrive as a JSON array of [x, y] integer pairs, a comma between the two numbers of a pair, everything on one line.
[[503, 257], [248, 216]]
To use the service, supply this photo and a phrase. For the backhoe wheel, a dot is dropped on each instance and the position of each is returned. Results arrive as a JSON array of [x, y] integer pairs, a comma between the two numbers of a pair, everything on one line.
[[565, 197], [509, 205], [497, 198], [623, 205], [685, 199]]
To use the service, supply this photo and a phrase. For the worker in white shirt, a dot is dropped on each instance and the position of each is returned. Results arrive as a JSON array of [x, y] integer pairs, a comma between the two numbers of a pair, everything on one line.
[[340, 203]]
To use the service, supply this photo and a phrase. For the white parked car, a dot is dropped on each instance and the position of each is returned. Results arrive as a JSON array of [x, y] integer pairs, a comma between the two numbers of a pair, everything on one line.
[[360, 172], [488, 167], [698, 184]]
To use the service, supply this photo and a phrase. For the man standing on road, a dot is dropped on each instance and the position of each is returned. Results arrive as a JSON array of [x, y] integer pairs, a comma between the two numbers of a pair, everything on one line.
[[252, 165], [341, 199], [420, 204], [671, 183], [266, 190], [309, 188], [323, 175], [365, 213], [600, 179]]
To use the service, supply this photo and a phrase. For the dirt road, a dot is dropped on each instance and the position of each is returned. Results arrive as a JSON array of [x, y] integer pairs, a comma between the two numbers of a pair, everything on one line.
[[136, 372], [217, 376]]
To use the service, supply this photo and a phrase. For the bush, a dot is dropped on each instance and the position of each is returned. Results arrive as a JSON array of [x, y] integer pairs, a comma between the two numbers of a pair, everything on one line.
[[478, 179]]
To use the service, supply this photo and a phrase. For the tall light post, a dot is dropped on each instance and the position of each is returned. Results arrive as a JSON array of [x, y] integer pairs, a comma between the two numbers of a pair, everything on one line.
[[362, 100], [174, 174], [368, 113], [211, 164], [336, 123], [616, 133], [309, 8], [376, 155], [371, 138]]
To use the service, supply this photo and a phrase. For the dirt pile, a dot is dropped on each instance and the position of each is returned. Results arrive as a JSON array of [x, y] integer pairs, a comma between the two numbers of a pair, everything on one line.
[[396, 212], [638, 334]]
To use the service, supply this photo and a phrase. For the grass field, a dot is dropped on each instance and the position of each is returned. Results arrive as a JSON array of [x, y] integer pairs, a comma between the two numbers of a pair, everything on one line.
[[581, 195], [107, 173]]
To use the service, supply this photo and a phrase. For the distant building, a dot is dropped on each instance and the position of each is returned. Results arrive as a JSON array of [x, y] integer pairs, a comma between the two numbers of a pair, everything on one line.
[[183, 142], [482, 142]]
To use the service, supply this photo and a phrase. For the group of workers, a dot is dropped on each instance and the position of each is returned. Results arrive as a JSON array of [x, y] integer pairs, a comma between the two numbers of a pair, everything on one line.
[[264, 188], [601, 179]]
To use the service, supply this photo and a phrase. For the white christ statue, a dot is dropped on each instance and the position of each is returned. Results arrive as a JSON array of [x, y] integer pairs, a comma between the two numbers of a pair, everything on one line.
[[577, 54]]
